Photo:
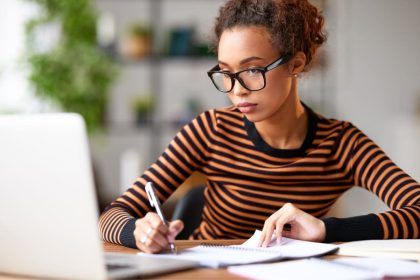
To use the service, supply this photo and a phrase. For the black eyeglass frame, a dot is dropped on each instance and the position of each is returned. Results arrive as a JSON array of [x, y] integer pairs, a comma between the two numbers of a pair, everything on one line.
[[235, 76]]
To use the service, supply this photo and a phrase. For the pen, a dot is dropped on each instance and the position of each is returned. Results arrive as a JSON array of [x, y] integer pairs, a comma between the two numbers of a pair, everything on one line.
[[154, 202]]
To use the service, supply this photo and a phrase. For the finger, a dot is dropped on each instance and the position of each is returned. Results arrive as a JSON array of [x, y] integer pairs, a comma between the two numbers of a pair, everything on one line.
[[279, 229], [157, 239], [175, 227], [151, 240], [163, 235], [157, 223], [264, 231], [267, 232], [262, 236], [140, 233], [141, 228], [148, 238], [261, 239], [283, 223], [286, 215], [282, 227], [150, 246], [159, 235]]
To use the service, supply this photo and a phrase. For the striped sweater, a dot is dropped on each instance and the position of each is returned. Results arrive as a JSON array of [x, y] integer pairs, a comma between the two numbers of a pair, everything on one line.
[[247, 180]]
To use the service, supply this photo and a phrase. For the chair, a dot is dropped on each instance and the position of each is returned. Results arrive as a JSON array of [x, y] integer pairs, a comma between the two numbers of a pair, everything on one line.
[[189, 209]]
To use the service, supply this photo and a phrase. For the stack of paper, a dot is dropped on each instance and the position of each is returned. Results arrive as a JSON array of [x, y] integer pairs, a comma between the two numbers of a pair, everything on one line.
[[393, 248], [342, 268]]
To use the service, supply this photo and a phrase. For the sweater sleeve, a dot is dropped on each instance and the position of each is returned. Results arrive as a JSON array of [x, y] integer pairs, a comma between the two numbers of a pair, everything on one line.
[[374, 170], [186, 153]]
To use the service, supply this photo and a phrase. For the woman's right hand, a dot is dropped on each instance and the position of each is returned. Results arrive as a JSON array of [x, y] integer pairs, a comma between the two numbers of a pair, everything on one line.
[[152, 236]]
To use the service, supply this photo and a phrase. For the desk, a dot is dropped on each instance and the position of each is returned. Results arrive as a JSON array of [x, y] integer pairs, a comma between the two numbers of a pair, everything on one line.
[[199, 273]]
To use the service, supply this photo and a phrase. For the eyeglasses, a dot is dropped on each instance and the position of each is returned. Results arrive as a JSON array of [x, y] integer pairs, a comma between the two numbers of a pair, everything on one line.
[[252, 79]]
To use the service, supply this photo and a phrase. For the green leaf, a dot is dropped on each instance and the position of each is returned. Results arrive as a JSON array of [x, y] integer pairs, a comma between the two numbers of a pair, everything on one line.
[[75, 74]]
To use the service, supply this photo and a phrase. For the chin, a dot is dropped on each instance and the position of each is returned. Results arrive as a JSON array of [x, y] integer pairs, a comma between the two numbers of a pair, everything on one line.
[[253, 118]]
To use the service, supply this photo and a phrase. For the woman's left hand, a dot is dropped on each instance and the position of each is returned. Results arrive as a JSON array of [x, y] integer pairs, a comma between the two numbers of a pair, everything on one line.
[[303, 226]]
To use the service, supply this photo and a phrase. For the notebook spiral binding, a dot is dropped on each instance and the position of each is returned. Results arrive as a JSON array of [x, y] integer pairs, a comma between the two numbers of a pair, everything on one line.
[[236, 247]]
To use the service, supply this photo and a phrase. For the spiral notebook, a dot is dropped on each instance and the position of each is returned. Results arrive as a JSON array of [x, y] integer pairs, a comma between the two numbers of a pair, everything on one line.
[[216, 256]]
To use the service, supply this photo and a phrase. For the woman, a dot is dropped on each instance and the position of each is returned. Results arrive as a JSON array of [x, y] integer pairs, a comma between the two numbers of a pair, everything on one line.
[[270, 161]]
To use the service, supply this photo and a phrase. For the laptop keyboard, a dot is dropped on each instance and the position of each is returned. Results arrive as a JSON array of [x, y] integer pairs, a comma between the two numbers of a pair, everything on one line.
[[116, 266]]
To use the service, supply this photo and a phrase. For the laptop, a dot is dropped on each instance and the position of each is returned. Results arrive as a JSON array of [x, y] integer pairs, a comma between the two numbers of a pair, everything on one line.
[[48, 208]]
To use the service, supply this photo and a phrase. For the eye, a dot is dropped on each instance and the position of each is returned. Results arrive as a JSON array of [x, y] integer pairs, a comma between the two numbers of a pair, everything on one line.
[[226, 74], [253, 71]]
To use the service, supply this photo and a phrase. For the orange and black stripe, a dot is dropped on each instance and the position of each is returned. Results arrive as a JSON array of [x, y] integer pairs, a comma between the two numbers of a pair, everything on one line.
[[248, 180]]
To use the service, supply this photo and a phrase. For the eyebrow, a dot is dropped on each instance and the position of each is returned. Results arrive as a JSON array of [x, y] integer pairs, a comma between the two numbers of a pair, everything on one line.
[[246, 60]]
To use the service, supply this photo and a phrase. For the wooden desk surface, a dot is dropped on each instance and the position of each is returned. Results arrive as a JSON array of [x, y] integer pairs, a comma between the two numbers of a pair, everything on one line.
[[199, 273]]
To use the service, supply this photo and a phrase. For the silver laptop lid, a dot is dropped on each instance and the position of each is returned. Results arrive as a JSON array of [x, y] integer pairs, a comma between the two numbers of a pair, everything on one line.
[[48, 210]]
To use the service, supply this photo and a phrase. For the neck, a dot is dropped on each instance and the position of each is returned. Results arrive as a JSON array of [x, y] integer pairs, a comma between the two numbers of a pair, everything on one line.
[[286, 129]]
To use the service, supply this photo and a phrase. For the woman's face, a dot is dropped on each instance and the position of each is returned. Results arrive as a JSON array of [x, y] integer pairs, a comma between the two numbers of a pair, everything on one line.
[[243, 48]]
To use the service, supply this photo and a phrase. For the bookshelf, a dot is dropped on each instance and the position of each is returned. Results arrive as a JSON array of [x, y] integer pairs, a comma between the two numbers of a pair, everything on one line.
[[176, 80]]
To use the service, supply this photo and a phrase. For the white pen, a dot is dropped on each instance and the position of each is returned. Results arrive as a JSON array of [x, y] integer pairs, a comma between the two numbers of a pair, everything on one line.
[[154, 202]]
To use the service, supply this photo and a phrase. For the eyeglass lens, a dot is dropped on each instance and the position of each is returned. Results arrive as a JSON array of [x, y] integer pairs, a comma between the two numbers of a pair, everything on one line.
[[252, 79]]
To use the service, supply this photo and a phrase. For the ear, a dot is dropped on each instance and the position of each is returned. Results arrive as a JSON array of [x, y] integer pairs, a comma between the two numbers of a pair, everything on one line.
[[297, 64]]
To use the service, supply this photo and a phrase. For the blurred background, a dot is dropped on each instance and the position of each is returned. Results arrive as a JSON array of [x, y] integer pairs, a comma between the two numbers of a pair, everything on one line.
[[136, 70]]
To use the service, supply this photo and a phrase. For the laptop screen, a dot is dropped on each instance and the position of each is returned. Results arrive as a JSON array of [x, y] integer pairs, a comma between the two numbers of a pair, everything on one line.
[[48, 204]]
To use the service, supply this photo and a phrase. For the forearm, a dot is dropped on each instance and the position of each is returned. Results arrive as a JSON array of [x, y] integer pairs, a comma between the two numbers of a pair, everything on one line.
[[116, 225], [396, 224], [354, 228], [375, 171]]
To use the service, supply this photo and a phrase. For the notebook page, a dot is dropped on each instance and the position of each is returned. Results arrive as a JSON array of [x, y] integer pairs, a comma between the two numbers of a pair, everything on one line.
[[220, 256], [248, 252], [292, 248], [216, 256]]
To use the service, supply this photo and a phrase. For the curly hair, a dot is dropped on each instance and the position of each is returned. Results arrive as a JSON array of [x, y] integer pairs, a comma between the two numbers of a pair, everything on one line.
[[294, 25]]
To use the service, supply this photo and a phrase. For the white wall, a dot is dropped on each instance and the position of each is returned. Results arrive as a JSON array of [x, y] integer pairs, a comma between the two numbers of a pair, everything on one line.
[[375, 74], [15, 93]]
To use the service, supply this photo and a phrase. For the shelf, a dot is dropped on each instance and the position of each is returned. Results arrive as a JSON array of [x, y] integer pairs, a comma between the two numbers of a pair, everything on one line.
[[172, 80], [165, 59], [128, 129]]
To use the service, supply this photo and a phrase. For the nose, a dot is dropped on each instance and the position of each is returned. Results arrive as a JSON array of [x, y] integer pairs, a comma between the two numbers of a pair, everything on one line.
[[239, 90]]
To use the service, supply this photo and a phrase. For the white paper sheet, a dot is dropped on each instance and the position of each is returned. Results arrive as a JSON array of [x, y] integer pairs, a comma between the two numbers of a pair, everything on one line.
[[301, 270], [388, 267], [342, 268], [393, 248], [219, 256], [290, 248]]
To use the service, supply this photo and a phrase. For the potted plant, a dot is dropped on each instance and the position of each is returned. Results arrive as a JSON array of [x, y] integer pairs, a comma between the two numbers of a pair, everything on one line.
[[143, 108], [74, 74], [138, 41]]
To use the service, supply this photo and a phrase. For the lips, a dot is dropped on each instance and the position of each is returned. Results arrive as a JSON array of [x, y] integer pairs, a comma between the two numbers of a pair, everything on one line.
[[246, 107]]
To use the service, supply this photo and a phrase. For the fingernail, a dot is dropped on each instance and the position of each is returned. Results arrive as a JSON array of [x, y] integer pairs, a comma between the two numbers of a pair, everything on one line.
[[278, 240], [264, 244]]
